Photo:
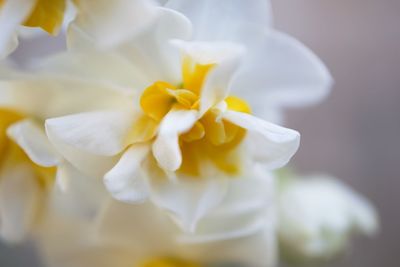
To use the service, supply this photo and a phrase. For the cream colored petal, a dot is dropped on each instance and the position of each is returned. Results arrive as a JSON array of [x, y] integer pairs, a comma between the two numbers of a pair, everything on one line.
[[270, 144], [219, 20], [112, 22], [12, 14], [166, 148], [126, 181], [20, 200], [33, 140], [100, 133], [188, 200]]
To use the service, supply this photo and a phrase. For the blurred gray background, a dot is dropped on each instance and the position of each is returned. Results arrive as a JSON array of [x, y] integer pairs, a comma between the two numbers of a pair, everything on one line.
[[353, 134]]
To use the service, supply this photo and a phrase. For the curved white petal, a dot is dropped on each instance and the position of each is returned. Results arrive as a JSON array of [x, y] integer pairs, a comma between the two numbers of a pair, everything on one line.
[[188, 200], [166, 148], [226, 58], [218, 20], [280, 71], [126, 181], [12, 14], [20, 197], [101, 133], [33, 140], [271, 144], [151, 51], [112, 22]]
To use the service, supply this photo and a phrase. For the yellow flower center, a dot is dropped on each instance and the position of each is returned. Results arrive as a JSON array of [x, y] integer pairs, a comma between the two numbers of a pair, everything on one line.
[[168, 262], [12, 154], [211, 138], [47, 14]]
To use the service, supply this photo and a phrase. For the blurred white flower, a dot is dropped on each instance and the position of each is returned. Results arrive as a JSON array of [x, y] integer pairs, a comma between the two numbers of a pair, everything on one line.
[[240, 231], [178, 118], [318, 215], [106, 21]]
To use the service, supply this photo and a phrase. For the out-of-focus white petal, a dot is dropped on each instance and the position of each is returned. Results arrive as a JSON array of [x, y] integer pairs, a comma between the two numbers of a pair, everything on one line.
[[226, 58], [12, 14], [112, 22], [103, 67], [151, 51], [83, 197], [307, 231], [218, 20], [166, 148], [20, 197], [188, 200], [100, 133], [126, 181], [30, 93], [32, 139], [272, 144], [280, 71]]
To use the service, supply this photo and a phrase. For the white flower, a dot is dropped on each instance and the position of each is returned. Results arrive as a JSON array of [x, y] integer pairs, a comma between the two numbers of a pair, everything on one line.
[[318, 215], [100, 18], [240, 231], [28, 160], [177, 121]]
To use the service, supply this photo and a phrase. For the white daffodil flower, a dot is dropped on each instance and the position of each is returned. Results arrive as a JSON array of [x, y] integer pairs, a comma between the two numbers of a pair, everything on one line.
[[99, 18], [179, 135], [239, 232], [29, 165], [318, 215]]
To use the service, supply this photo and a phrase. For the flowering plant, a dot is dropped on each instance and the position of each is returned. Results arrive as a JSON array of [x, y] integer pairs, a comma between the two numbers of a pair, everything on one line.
[[153, 140]]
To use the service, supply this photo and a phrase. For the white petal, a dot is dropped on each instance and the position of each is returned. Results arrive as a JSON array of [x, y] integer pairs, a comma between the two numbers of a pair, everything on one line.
[[271, 144], [218, 20], [107, 68], [280, 71], [112, 22], [166, 148], [12, 14], [307, 230], [20, 197], [32, 139], [225, 56], [29, 93], [100, 133], [126, 181], [188, 200], [151, 51], [141, 226]]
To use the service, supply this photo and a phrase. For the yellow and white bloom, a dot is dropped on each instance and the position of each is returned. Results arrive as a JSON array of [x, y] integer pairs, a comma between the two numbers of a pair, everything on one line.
[[179, 135], [105, 20], [318, 215], [29, 165], [240, 231]]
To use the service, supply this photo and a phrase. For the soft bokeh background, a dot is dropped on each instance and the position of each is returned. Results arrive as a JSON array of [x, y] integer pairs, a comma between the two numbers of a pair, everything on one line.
[[354, 134]]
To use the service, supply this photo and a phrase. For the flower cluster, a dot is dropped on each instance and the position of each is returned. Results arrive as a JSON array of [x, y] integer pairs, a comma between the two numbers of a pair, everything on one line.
[[153, 139]]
